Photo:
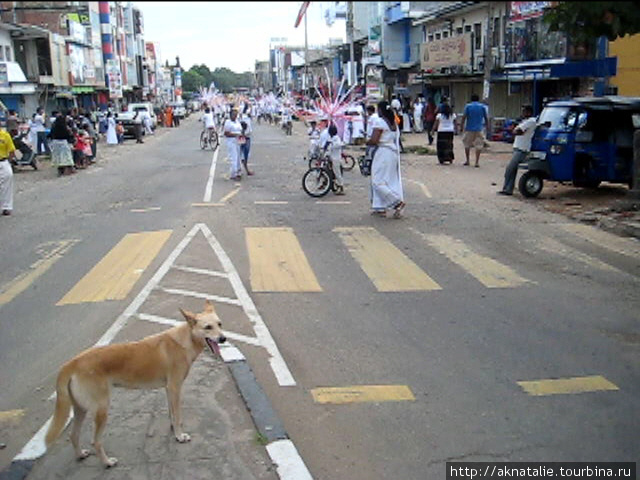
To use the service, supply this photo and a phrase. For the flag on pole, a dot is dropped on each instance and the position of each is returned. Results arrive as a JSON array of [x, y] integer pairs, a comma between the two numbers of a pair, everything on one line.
[[303, 10]]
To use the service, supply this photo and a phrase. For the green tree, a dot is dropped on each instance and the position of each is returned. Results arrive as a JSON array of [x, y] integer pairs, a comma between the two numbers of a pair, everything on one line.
[[192, 81], [584, 22]]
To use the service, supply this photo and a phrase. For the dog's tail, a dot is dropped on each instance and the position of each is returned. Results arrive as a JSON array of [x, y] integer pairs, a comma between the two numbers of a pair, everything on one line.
[[63, 405]]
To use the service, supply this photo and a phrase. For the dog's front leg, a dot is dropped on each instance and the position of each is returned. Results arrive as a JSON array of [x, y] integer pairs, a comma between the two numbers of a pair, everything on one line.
[[173, 397]]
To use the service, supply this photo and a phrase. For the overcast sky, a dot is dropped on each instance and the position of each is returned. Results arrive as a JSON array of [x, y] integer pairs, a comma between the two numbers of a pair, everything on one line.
[[231, 34]]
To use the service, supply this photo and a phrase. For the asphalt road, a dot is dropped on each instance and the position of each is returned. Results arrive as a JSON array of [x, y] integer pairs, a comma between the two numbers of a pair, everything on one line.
[[452, 309]]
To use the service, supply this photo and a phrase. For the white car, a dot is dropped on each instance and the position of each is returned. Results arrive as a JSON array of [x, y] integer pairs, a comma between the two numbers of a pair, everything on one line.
[[179, 109]]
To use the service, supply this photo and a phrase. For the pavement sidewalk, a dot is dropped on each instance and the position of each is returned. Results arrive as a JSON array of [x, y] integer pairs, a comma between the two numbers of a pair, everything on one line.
[[235, 434], [610, 207]]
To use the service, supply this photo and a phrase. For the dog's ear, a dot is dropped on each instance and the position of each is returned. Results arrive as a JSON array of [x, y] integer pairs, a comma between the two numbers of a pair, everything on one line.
[[208, 306], [189, 317]]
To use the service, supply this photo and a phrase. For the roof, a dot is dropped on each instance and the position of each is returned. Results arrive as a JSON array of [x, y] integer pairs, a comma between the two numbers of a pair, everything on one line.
[[612, 101]]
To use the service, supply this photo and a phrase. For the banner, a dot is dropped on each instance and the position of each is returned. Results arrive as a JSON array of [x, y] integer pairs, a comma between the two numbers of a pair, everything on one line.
[[303, 10], [446, 53], [115, 79]]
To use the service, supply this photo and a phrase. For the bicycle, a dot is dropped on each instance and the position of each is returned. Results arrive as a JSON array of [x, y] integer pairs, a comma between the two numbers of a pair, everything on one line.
[[318, 180], [209, 139], [347, 161]]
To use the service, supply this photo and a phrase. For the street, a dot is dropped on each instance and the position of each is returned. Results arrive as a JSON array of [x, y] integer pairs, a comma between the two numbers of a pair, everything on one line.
[[476, 328]]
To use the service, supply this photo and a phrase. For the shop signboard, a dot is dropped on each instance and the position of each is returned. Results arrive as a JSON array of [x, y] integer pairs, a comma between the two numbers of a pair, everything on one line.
[[446, 52], [115, 79]]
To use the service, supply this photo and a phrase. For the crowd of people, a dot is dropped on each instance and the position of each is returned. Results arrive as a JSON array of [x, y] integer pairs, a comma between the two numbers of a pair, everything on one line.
[[71, 138]]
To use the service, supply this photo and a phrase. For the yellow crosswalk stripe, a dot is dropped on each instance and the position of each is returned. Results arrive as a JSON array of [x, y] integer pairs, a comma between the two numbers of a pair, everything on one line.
[[362, 393], [11, 416], [567, 385], [389, 269], [23, 281], [490, 273], [277, 262], [116, 274], [624, 246]]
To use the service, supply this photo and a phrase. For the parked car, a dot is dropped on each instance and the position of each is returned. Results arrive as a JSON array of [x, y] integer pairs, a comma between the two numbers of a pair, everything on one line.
[[585, 140], [129, 118], [179, 109]]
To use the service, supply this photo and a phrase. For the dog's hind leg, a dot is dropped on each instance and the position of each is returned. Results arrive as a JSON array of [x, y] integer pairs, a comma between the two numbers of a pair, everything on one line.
[[100, 424], [79, 415]]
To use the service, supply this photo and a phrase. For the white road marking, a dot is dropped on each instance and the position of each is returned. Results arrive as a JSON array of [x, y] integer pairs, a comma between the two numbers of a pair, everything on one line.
[[288, 462], [424, 188], [208, 191], [278, 365], [145, 210], [35, 448], [205, 296]]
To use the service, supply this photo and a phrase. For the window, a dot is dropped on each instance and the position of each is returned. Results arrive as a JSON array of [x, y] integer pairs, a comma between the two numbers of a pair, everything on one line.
[[445, 34], [459, 31], [431, 38], [496, 32], [467, 29], [438, 36], [477, 34], [7, 53]]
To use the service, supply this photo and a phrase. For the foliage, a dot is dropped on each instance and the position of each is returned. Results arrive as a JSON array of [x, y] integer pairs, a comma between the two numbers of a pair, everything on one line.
[[583, 22], [224, 79], [192, 81]]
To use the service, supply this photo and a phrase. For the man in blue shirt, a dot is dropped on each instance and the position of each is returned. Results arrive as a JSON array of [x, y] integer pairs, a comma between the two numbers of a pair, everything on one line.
[[473, 122]]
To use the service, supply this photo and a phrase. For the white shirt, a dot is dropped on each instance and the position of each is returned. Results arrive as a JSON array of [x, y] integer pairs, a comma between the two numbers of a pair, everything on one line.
[[246, 119], [232, 127], [370, 123], [208, 120], [335, 149], [324, 137], [446, 124], [523, 142]]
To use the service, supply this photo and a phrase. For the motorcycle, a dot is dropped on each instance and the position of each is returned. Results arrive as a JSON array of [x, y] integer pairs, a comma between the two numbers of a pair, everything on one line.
[[27, 156]]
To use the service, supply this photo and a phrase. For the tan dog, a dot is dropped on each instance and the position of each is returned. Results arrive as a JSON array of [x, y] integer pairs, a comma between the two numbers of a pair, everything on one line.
[[161, 360]]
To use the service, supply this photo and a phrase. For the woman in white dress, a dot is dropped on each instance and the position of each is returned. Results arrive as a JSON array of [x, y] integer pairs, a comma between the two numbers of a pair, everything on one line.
[[386, 181], [232, 131], [112, 137]]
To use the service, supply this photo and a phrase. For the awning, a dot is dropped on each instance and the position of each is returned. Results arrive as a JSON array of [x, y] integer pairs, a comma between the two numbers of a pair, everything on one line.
[[13, 80]]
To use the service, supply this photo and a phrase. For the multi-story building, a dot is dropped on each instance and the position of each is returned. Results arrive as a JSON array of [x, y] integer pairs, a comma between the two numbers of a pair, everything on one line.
[[627, 51], [85, 54]]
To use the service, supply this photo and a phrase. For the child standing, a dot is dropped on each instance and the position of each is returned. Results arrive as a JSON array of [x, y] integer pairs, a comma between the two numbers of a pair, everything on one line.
[[334, 148]]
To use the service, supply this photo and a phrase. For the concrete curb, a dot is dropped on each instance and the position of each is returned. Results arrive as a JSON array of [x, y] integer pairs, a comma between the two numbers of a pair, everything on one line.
[[17, 470], [280, 448]]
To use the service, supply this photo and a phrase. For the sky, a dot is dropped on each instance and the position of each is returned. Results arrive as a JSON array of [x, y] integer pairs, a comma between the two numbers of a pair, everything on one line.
[[231, 34]]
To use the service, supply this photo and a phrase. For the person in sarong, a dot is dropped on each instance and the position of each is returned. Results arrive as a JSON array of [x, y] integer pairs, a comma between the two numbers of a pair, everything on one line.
[[61, 141], [445, 125]]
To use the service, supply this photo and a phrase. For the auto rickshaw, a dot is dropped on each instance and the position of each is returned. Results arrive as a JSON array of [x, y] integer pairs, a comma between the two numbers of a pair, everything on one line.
[[586, 140]]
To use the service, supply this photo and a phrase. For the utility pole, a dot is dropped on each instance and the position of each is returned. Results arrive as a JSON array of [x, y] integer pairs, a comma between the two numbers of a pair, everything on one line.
[[305, 80], [488, 56], [352, 72]]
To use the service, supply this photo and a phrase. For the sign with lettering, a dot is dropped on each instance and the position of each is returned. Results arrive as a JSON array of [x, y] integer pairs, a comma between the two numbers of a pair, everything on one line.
[[446, 52], [524, 10]]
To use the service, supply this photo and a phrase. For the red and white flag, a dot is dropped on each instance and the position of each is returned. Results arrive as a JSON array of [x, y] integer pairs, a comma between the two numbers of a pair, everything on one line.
[[303, 10]]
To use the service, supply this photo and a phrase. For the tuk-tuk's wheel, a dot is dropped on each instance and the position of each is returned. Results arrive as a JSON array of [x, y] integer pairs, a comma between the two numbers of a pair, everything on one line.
[[530, 184]]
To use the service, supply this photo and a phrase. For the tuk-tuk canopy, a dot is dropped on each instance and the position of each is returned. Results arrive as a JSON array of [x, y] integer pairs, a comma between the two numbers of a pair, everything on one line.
[[612, 102]]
